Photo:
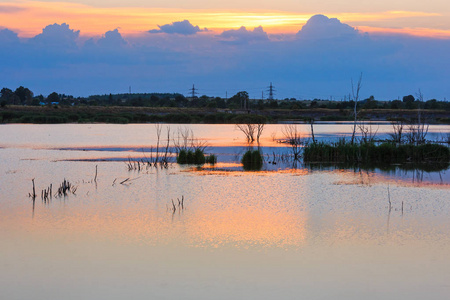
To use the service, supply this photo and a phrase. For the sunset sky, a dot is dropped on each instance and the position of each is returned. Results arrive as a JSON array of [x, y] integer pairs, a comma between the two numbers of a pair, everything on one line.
[[105, 46]]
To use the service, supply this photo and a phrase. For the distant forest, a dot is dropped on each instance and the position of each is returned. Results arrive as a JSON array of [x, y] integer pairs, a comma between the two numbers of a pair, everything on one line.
[[24, 96]]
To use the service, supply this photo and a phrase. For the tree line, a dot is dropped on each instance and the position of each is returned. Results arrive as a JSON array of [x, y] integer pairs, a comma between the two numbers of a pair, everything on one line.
[[241, 100]]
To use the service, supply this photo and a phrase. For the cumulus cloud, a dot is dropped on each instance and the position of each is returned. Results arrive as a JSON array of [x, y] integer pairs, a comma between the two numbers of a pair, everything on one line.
[[8, 37], [236, 59], [57, 35], [322, 27], [112, 38], [244, 36], [184, 27]]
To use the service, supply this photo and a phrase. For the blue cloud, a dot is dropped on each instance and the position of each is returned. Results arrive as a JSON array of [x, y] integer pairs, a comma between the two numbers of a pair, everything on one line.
[[244, 36], [112, 38], [184, 27], [322, 27], [318, 63], [8, 37], [57, 35]]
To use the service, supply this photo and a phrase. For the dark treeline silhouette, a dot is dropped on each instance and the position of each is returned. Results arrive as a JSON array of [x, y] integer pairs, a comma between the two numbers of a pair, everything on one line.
[[24, 96], [22, 106]]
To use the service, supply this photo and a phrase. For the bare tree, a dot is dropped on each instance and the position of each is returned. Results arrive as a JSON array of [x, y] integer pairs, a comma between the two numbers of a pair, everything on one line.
[[165, 159], [158, 136], [250, 127], [248, 130], [185, 140], [397, 127], [293, 138], [181, 140], [417, 132], [367, 132], [355, 93], [311, 122], [259, 130]]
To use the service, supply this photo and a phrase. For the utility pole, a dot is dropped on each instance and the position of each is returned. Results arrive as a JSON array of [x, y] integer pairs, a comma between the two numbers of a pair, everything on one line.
[[262, 96], [271, 91], [193, 91], [129, 89]]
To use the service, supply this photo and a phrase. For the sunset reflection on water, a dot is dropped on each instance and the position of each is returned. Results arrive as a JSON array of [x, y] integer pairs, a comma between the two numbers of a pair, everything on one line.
[[281, 232]]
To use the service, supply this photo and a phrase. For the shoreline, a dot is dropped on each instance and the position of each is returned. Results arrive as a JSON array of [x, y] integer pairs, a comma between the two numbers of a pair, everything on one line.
[[141, 115]]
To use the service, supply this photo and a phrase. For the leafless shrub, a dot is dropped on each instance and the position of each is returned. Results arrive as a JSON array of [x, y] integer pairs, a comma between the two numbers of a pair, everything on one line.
[[293, 138], [396, 135], [273, 135], [367, 132], [248, 130], [311, 123], [158, 138], [355, 94], [185, 140], [417, 132], [259, 130]]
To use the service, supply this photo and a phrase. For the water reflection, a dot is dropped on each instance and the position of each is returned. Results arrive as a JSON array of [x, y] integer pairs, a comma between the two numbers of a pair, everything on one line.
[[280, 232], [416, 175]]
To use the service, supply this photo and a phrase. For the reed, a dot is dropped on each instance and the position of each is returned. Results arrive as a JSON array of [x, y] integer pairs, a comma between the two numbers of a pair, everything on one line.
[[66, 188], [33, 194], [178, 205], [369, 153], [47, 194]]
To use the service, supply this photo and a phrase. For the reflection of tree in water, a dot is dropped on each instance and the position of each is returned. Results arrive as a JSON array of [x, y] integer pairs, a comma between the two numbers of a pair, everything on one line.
[[417, 173]]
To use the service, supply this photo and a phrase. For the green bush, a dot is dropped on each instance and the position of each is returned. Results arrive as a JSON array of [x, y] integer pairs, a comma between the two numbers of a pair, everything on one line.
[[199, 157], [182, 157], [196, 157], [211, 159], [252, 160]]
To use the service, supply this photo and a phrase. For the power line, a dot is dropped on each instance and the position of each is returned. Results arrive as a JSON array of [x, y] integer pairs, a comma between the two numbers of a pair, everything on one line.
[[193, 91], [271, 90]]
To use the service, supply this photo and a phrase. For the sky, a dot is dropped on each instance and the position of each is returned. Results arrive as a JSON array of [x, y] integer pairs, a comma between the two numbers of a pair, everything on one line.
[[307, 49]]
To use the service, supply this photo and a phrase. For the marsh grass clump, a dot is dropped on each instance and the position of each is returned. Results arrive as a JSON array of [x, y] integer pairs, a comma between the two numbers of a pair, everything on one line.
[[211, 159], [66, 188], [370, 153], [252, 160], [196, 157]]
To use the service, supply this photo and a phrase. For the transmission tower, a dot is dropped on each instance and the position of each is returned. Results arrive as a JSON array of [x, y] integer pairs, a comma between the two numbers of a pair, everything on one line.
[[193, 91], [271, 90]]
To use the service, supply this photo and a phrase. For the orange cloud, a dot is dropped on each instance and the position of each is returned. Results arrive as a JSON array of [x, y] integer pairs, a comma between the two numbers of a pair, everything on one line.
[[29, 17], [420, 32]]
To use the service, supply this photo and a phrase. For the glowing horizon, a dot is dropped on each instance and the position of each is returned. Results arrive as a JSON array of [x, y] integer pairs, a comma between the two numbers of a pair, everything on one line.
[[95, 21]]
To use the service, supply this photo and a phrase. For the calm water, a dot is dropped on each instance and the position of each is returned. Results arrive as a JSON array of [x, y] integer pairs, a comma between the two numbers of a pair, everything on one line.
[[289, 233]]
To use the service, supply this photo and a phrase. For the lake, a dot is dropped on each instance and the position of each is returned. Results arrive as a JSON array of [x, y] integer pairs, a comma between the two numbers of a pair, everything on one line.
[[288, 232]]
